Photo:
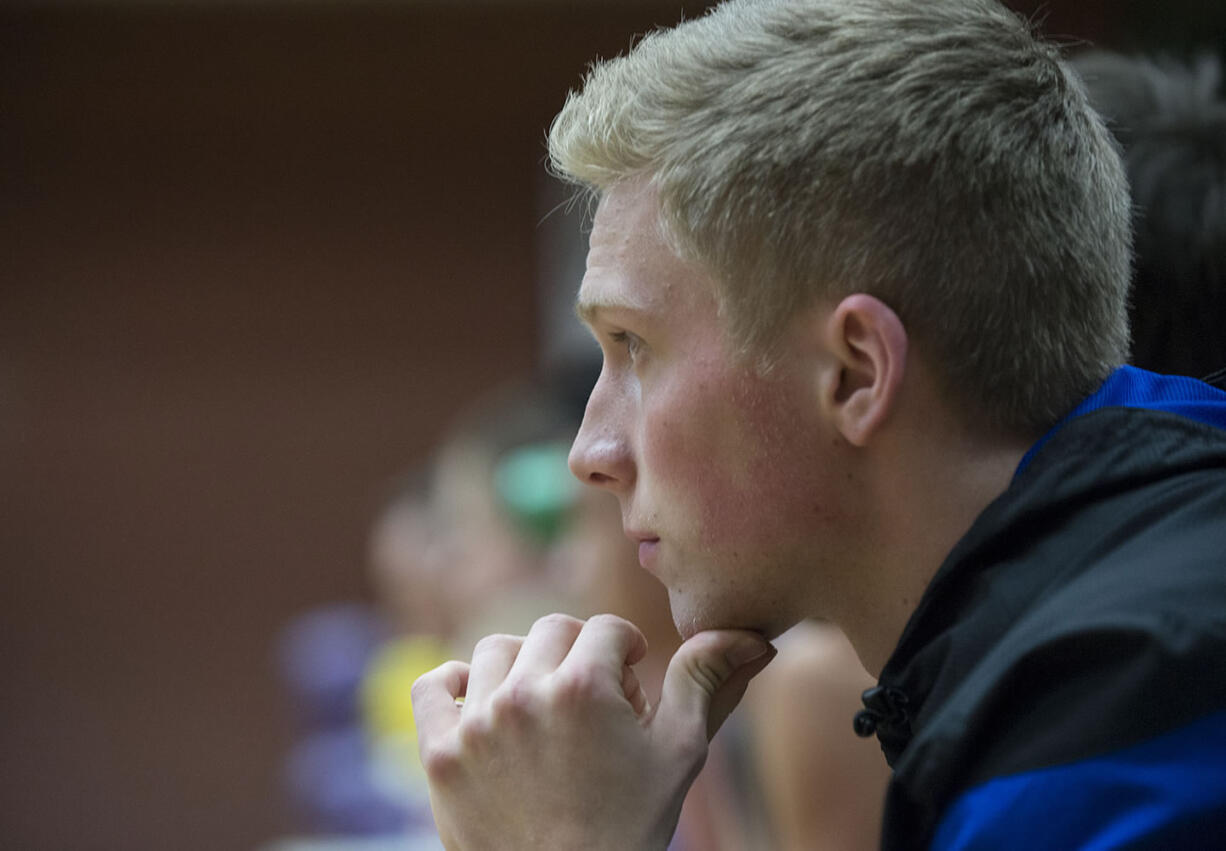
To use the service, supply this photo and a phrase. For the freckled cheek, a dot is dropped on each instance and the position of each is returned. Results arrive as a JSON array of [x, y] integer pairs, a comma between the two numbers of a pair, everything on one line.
[[701, 478], [784, 473], [679, 461]]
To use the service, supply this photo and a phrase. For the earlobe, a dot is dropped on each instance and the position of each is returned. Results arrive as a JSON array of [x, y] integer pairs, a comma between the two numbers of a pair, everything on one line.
[[869, 344]]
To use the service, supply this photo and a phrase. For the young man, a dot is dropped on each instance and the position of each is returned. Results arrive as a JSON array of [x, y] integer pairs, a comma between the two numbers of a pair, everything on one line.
[[859, 270]]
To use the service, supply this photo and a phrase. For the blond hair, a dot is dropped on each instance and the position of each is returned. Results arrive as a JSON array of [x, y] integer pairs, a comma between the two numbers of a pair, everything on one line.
[[934, 154]]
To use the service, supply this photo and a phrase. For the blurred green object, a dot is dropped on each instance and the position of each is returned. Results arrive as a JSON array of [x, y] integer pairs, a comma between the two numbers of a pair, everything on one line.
[[535, 484]]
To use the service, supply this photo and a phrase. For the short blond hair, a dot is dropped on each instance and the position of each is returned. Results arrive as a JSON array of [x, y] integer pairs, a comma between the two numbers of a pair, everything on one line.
[[934, 154]]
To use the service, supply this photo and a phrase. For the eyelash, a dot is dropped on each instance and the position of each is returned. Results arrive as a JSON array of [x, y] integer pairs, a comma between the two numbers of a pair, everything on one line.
[[631, 342]]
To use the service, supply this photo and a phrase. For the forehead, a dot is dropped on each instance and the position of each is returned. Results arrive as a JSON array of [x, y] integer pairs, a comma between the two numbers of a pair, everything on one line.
[[630, 266]]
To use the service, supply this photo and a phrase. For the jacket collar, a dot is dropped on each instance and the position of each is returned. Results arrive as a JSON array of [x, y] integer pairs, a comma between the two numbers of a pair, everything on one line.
[[1105, 443]]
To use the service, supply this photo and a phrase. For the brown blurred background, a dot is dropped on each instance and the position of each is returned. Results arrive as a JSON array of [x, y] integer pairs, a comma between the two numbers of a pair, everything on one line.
[[254, 257]]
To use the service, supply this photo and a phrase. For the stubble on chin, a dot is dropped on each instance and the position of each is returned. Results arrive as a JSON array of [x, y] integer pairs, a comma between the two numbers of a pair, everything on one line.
[[685, 619], [691, 616], [687, 627]]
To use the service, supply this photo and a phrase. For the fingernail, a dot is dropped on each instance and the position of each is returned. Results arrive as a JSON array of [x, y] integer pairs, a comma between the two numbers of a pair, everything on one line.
[[747, 650]]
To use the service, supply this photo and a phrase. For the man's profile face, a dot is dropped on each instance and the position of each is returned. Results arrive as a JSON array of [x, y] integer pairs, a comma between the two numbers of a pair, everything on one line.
[[723, 475]]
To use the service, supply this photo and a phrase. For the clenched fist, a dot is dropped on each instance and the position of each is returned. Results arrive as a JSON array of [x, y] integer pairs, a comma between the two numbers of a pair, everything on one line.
[[555, 745]]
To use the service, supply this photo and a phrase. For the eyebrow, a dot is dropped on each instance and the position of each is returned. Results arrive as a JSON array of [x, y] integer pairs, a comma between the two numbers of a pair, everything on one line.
[[589, 309]]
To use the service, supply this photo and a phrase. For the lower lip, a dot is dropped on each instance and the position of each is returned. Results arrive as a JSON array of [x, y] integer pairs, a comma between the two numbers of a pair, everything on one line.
[[647, 552]]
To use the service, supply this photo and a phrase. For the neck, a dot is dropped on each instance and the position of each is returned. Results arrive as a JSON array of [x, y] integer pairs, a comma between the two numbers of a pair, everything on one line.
[[931, 482]]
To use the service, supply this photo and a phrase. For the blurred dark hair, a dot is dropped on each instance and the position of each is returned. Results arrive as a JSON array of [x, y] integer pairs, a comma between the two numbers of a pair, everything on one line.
[[1170, 119]]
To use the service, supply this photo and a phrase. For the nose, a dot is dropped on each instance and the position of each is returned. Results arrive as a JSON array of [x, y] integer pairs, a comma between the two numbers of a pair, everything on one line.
[[601, 454]]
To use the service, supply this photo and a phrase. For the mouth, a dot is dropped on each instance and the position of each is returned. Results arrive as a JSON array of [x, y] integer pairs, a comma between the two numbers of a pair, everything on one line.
[[648, 548]]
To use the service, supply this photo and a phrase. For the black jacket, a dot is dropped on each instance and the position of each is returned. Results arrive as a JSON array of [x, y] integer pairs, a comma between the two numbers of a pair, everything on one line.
[[1063, 679]]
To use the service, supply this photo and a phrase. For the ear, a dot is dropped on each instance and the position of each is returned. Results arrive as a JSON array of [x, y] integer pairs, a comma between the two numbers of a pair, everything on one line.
[[869, 345]]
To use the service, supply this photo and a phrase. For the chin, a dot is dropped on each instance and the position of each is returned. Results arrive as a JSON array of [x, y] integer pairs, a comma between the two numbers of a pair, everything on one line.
[[688, 621], [687, 629], [691, 620]]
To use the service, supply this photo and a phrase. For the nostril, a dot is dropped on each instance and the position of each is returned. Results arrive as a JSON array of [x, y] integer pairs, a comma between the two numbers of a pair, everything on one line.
[[602, 461]]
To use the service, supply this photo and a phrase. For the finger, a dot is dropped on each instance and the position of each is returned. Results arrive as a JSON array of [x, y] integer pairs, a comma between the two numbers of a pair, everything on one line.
[[547, 644], [633, 690], [434, 699], [728, 696], [607, 643], [707, 678], [492, 660]]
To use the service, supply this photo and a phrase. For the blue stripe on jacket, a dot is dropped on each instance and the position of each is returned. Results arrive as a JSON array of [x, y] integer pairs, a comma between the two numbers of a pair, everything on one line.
[[1130, 387], [1167, 792]]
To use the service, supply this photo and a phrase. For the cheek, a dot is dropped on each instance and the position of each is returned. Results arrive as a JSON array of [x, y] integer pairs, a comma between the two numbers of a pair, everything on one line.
[[788, 485], [684, 447], [737, 457]]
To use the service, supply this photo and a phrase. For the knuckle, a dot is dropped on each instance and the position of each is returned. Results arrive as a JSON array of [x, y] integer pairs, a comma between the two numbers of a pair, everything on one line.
[[424, 684], [557, 620], [578, 686], [511, 704], [474, 732], [419, 688], [441, 764], [692, 751], [433, 679], [496, 643], [608, 620]]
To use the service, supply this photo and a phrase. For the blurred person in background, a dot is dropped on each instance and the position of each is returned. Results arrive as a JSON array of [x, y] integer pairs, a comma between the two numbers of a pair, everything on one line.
[[354, 777], [1170, 119], [497, 504], [402, 555], [409, 581], [323, 656], [823, 787], [457, 549]]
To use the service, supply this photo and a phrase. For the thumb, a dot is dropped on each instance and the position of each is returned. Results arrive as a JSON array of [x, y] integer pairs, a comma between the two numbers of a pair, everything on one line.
[[707, 678]]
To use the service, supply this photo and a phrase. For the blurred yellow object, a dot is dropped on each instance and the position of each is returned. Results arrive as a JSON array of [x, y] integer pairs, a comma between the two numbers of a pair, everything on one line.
[[387, 706]]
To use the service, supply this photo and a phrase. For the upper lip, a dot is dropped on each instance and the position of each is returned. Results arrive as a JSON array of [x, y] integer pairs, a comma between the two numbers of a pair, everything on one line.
[[641, 537]]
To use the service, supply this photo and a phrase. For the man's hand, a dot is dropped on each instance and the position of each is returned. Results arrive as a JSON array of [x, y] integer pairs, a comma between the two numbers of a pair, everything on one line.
[[555, 746]]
